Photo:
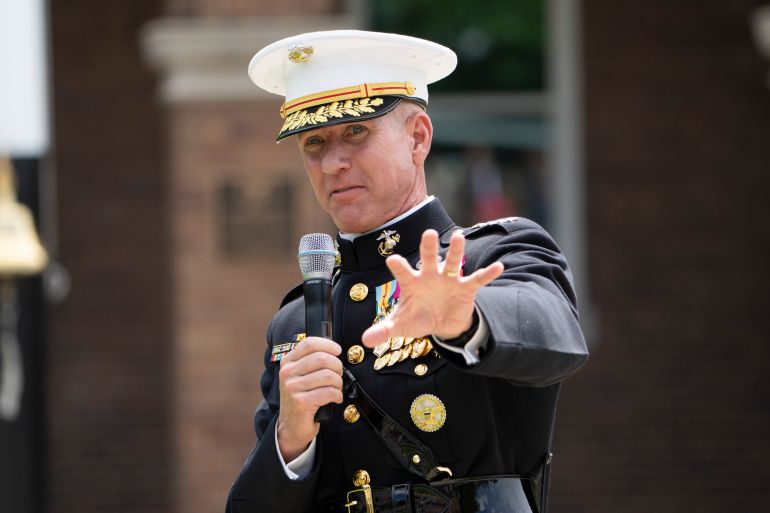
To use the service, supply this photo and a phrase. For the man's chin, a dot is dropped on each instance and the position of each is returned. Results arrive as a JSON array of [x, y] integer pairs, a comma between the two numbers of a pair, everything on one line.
[[352, 222]]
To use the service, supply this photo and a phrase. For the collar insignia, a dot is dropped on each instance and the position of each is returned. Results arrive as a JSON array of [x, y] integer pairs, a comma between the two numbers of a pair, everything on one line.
[[389, 240]]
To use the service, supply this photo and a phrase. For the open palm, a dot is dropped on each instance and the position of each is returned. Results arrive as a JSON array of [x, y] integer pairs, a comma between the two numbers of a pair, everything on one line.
[[436, 299]]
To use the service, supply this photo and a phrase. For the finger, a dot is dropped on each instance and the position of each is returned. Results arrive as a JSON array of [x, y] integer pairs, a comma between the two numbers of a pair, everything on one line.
[[378, 333], [454, 256], [318, 379], [311, 400], [312, 345], [484, 275], [401, 270], [311, 363], [429, 251]]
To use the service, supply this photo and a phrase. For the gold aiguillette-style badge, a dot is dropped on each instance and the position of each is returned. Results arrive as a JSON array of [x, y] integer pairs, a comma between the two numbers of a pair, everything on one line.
[[381, 349], [381, 361], [395, 349]]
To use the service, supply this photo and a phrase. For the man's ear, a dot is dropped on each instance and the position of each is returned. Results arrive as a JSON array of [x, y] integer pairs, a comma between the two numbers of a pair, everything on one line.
[[422, 134]]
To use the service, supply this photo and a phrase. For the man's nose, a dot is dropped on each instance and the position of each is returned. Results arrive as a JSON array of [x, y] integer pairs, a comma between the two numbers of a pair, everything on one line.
[[335, 160]]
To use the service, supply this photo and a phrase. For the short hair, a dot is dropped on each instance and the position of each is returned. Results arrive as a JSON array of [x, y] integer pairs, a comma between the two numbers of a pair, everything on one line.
[[404, 110]]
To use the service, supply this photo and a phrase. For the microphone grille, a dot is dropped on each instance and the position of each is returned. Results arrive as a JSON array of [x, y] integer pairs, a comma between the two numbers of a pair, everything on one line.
[[316, 255]]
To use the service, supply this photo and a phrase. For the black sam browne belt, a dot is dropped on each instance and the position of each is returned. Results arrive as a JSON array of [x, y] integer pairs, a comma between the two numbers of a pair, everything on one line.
[[441, 493], [499, 494]]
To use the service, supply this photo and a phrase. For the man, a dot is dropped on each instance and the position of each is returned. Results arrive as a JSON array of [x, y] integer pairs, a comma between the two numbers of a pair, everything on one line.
[[449, 345]]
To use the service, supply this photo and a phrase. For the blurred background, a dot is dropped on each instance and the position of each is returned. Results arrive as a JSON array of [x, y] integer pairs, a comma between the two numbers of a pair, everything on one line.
[[637, 132]]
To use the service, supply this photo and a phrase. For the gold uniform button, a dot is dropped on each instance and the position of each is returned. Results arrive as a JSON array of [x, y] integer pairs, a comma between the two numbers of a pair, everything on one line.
[[358, 292], [356, 354], [420, 369], [361, 478], [351, 414]]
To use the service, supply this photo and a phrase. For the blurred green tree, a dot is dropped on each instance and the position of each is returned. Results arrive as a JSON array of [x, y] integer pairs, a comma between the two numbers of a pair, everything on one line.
[[499, 43]]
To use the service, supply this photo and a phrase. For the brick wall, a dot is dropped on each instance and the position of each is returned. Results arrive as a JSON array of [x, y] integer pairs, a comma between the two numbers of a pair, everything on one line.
[[108, 358], [671, 413], [223, 299], [155, 356]]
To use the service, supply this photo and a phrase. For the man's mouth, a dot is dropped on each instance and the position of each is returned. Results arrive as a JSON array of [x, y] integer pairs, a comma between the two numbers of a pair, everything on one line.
[[343, 190]]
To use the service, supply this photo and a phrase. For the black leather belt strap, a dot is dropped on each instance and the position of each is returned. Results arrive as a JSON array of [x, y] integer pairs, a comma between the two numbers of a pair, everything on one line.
[[410, 452], [401, 498], [498, 494]]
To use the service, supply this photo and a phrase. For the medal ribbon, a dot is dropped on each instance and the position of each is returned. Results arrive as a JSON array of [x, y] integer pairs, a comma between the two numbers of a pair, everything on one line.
[[387, 294], [280, 350]]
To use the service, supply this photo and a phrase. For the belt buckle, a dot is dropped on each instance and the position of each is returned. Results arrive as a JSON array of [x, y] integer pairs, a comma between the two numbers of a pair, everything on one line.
[[367, 491]]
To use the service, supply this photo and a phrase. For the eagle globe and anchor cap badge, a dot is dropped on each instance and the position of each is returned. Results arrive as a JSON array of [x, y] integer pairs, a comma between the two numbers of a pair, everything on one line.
[[339, 76], [300, 53]]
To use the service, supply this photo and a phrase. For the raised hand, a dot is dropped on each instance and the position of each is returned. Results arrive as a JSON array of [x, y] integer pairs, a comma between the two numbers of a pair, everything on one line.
[[435, 300]]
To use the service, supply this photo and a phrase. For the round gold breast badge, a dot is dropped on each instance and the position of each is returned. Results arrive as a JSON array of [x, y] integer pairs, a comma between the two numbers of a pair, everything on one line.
[[428, 413]]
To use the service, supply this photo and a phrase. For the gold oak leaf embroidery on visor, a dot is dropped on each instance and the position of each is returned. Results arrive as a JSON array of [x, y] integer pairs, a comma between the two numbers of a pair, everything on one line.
[[324, 113]]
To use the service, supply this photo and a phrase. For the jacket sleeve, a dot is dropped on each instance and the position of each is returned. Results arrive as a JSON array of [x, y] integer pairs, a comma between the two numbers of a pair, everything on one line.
[[262, 484], [531, 309]]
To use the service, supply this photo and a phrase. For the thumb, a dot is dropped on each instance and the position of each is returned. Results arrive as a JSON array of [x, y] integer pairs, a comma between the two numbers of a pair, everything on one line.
[[377, 333]]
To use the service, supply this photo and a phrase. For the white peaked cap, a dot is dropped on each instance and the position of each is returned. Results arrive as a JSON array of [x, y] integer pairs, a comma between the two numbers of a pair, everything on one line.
[[320, 68]]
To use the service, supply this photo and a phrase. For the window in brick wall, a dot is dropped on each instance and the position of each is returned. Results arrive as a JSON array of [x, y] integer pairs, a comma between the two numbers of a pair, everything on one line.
[[255, 220]]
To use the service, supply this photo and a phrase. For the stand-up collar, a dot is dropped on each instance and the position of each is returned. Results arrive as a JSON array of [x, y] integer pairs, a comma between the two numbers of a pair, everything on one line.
[[363, 252]]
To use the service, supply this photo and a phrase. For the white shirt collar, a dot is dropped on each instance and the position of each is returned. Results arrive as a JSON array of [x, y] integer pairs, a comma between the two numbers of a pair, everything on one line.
[[352, 236]]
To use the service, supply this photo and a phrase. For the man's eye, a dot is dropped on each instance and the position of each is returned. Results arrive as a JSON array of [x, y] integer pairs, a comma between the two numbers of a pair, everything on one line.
[[357, 129], [311, 142]]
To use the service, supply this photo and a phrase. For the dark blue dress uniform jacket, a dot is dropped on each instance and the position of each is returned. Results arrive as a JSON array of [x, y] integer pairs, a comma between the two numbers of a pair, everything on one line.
[[499, 412]]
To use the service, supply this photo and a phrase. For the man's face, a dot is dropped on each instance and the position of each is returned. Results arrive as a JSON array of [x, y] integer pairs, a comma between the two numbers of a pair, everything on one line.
[[364, 173]]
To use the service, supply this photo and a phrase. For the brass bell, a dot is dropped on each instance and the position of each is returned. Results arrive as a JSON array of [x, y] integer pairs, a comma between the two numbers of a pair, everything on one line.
[[20, 249]]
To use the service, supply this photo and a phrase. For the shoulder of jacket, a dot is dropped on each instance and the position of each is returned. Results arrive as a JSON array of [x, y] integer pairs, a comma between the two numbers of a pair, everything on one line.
[[297, 292], [504, 225]]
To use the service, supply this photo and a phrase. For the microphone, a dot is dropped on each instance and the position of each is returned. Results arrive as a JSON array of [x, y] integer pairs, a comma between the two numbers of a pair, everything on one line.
[[316, 262]]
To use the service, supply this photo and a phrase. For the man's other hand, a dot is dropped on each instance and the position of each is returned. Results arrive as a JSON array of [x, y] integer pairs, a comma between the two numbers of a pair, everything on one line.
[[310, 377]]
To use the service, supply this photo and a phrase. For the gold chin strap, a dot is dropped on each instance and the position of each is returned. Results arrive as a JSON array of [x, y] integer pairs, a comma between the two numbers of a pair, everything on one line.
[[347, 93]]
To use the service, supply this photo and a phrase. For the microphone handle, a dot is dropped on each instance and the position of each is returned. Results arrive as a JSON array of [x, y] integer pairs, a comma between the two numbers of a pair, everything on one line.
[[318, 322]]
